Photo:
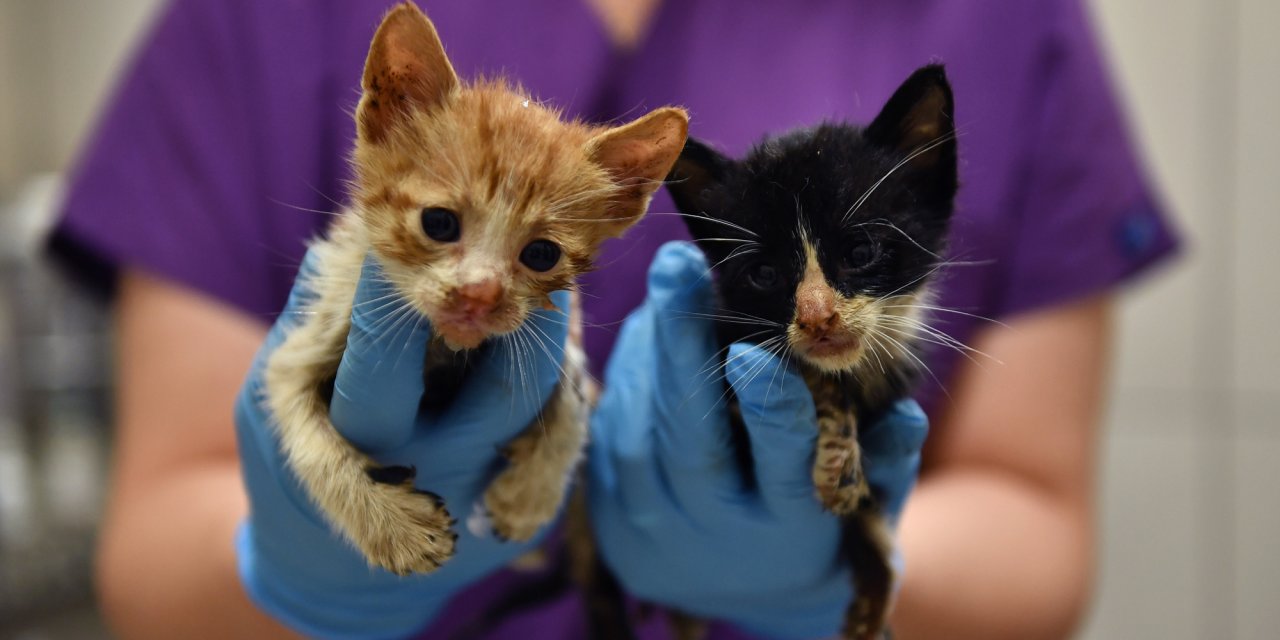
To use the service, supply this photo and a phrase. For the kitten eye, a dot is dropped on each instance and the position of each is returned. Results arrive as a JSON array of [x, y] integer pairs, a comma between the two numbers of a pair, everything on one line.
[[441, 225], [763, 276], [862, 256], [540, 255]]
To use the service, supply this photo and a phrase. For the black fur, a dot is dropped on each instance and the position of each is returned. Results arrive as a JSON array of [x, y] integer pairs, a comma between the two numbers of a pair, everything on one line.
[[812, 177], [875, 202], [808, 179]]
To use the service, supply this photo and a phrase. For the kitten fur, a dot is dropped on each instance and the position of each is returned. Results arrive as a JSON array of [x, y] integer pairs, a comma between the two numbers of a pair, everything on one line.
[[509, 172], [823, 242]]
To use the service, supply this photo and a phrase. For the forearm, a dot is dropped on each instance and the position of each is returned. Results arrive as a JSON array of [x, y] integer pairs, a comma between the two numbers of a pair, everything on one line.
[[971, 573], [167, 564]]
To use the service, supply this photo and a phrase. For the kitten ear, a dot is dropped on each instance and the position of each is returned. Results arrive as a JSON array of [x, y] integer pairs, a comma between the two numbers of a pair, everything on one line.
[[918, 121], [406, 69], [638, 156], [699, 170]]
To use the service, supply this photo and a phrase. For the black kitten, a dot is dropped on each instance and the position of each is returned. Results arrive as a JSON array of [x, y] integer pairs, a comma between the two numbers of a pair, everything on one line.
[[823, 241]]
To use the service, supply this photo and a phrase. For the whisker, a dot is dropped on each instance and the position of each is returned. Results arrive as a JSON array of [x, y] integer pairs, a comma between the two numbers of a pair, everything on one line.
[[940, 140], [783, 353], [745, 240], [911, 354], [934, 335], [927, 274], [325, 196], [304, 209], [883, 222], [730, 320], [708, 219], [714, 361], [738, 252], [874, 343], [946, 310]]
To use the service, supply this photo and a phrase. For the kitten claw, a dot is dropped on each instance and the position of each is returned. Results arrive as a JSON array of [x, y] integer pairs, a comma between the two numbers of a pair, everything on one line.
[[434, 497], [519, 502], [413, 532]]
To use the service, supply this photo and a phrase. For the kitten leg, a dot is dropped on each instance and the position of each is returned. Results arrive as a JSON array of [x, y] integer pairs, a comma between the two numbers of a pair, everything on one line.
[[837, 470], [843, 490], [377, 509], [869, 546], [606, 607], [541, 460], [837, 466]]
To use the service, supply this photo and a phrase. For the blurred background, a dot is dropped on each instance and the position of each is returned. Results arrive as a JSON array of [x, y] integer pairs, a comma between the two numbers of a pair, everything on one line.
[[1191, 459]]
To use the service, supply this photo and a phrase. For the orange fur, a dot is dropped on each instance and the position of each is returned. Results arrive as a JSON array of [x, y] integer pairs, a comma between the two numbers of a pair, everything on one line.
[[511, 171], [509, 167]]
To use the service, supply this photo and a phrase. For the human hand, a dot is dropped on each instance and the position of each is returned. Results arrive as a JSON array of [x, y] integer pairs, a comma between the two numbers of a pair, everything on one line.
[[672, 515], [291, 563]]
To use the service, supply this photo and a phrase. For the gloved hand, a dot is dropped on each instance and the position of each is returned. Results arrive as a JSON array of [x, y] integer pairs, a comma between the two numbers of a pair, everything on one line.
[[670, 511], [292, 565]]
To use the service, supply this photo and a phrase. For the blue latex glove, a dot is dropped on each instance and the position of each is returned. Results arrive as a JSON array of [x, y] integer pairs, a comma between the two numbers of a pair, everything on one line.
[[291, 564], [669, 508]]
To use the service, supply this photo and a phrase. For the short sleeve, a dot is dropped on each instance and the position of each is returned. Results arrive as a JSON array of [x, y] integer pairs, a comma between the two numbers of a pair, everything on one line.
[[178, 177], [1088, 218]]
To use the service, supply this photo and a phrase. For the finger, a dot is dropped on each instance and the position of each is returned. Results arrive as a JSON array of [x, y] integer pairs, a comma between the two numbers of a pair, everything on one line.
[[379, 381], [621, 442], [778, 411], [692, 439], [891, 454], [511, 381]]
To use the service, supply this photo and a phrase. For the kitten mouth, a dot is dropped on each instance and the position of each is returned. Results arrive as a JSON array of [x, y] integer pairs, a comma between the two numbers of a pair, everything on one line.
[[830, 346], [462, 333]]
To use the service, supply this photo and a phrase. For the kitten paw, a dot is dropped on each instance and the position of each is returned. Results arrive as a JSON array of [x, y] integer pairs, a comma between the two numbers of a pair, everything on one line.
[[520, 502], [402, 529], [837, 477]]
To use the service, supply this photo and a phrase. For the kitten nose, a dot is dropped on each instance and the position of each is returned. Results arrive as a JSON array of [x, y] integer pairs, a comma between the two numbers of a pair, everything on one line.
[[478, 298], [815, 309], [816, 324]]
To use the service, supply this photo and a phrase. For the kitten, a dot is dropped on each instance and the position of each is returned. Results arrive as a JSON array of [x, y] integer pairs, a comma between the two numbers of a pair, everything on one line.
[[478, 203], [823, 241]]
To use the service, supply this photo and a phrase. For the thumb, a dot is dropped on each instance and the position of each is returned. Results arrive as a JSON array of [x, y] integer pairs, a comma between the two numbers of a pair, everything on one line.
[[379, 381], [781, 422], [692, 437], [891, 454], [691, 427]]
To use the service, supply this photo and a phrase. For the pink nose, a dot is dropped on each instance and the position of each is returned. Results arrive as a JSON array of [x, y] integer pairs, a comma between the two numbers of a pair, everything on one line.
[[816, 325], [477, 298]]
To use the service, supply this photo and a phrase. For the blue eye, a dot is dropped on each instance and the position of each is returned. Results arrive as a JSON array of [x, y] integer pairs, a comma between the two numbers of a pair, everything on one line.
[[540, 255], [441, 225]]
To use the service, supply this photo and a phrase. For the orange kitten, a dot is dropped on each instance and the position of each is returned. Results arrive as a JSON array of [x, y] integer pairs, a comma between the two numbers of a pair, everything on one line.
[[477, 202]]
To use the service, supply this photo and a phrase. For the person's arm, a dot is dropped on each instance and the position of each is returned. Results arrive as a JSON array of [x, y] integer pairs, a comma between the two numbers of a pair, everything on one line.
[[999, 534], [166, 562]]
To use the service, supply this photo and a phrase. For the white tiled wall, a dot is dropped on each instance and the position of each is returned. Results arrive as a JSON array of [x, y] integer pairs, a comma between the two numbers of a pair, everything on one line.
[[57, 61], [1256, 181], [1191, 467], [1190, 517]]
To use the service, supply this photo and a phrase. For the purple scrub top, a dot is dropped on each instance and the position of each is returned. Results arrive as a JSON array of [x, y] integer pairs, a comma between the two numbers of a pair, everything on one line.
[[234, 120]]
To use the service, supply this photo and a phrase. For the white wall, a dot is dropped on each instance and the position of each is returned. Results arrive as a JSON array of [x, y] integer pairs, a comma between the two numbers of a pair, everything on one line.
[[1190, 473], [1190, 479], [57, 61]]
